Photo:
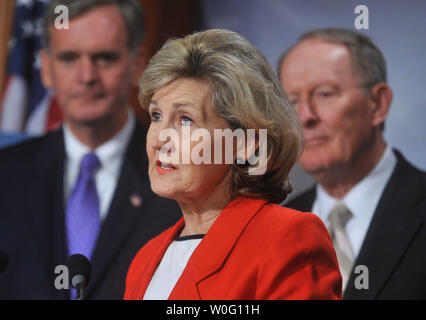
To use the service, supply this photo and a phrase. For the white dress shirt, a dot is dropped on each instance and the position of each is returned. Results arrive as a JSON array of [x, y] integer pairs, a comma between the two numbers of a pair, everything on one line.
[[171, 267], [111, 155], [361, 200]]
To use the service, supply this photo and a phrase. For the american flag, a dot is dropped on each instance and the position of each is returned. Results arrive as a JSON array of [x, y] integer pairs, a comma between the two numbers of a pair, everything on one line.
[[27, 107]]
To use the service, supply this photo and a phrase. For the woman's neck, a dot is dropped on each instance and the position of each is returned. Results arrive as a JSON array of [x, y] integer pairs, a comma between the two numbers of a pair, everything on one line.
[[200, 213]]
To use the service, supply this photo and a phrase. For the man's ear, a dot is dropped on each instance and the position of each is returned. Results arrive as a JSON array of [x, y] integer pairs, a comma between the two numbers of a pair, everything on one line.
[[381, 97], [45, 72], [139, 64]]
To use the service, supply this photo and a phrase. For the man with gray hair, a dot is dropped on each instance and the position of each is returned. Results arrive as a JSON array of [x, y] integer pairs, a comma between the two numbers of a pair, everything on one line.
[[372, 200], [83, 188]]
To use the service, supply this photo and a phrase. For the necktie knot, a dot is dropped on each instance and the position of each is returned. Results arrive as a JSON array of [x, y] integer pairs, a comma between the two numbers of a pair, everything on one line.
[[89, 164], [340, 215]]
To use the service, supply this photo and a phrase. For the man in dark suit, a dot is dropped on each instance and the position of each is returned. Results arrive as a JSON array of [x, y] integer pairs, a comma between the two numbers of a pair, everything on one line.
[[44, 188], [372, 200]]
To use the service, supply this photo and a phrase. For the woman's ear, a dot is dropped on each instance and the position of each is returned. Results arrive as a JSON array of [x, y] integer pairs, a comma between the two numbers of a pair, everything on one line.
[[381, 97]]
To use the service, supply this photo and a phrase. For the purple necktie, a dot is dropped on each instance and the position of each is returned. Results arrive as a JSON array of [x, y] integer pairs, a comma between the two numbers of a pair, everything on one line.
[[82, 215]]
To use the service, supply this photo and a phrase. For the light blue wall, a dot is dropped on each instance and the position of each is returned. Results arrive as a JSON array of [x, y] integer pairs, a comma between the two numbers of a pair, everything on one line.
[[397, 27]]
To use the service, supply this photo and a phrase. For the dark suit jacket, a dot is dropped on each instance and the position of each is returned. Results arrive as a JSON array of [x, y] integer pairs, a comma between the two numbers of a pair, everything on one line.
[[394, 248], [32, 227]]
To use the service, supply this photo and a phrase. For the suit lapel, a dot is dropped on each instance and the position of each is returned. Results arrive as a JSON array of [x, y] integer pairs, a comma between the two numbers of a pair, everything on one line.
[[131, 192], [154, 260], [392, 228], [217, 244], [45, 203]]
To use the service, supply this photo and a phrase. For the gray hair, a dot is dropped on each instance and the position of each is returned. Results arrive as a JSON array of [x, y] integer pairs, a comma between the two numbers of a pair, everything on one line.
[[131, 11], [367, 59], [245, 92]]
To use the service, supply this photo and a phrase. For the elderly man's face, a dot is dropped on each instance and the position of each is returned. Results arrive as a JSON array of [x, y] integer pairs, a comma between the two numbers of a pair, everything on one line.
[[90, 67], [334, 110]]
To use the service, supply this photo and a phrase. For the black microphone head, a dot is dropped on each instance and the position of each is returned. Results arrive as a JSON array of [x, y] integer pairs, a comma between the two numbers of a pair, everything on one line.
[[79, 266], [4, 261]]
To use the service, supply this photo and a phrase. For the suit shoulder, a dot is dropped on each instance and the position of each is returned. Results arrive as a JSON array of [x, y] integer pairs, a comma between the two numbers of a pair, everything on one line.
[[419, 174], [290, 221], [16, 152], [302, 202], [408, 170], [17, 161], [409, 183], [298, 254]]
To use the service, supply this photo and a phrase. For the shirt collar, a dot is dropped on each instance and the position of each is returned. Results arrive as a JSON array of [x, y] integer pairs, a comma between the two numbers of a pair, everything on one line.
[[110, 150], [363, 198]]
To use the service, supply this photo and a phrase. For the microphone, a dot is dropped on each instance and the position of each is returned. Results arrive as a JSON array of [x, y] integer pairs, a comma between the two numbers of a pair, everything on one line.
[[4, 261], [79, 271]]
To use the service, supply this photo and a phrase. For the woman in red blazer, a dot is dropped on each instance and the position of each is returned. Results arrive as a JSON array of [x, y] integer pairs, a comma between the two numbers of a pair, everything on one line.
[[234, 241]]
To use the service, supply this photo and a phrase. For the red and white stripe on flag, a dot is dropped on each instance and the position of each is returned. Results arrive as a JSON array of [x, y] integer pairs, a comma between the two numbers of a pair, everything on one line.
[[47, 115], [14, 105]]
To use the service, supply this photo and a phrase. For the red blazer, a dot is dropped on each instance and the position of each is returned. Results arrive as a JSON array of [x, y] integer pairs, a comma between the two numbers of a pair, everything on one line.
[[254, 250]]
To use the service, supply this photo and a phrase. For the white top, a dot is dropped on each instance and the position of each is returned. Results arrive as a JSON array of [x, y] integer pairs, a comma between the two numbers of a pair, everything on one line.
[[110, 154], [171, 267], [361, 200]]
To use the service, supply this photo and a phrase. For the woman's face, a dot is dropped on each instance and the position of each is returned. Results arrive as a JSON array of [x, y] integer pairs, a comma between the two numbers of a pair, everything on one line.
[[183, 106]]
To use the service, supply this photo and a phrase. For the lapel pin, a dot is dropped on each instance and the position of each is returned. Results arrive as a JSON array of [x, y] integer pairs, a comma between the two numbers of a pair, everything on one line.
[[136, 200]]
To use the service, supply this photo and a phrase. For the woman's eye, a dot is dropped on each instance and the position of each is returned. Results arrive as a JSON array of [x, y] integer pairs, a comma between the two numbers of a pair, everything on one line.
[[186, 121], [155, 116]]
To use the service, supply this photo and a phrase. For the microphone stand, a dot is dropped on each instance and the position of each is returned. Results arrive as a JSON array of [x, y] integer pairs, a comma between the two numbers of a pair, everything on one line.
[[80, 292], [79, 267]]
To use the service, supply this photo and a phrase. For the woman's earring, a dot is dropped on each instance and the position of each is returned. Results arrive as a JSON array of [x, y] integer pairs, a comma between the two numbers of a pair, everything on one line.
[[240, 162]]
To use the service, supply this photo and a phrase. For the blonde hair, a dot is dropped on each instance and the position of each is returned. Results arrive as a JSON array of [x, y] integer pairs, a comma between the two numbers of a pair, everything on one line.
[[245, 92]]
